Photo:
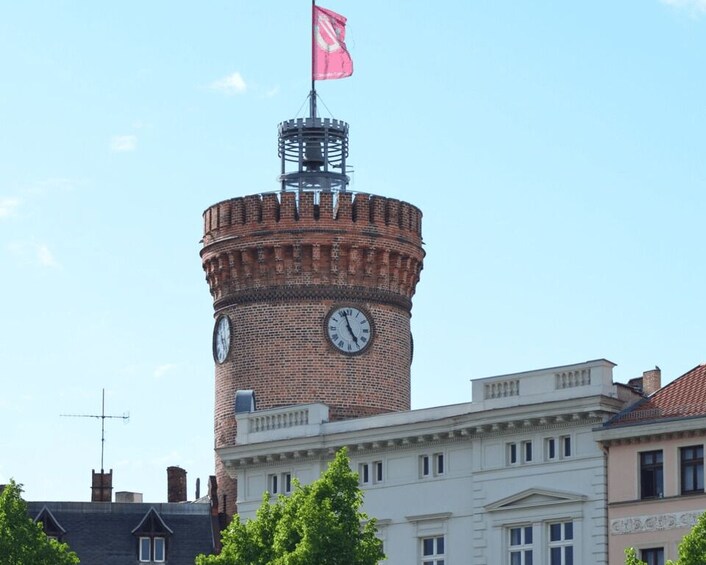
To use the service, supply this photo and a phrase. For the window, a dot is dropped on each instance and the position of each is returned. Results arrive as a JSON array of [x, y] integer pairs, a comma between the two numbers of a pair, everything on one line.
[[152, 550], [692, 469], [555, 448], [377, 471], [561, 548], [151, 535], [364, 473], [431, 465], [279, 484], [424, 466], [526, 451], [566, 446], [439, 463], [651, 474], [653, 556], [520, 545], [273, 481], [550, 448], [433, 551], [512, 453], [519, 452]]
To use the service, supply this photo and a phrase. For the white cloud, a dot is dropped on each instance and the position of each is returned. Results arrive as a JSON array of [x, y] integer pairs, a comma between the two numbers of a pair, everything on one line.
[[272, 92], [162, 370], [123, 143], [231, 85], [8, 206], [34, 253], [45, 257], [695, 7]]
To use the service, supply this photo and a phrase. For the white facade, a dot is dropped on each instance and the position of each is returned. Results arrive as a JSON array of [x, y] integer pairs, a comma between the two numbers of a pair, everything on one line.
[[516, 471]]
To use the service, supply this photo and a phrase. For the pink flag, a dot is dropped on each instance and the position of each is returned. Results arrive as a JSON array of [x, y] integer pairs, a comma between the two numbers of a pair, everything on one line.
[[329, 53]]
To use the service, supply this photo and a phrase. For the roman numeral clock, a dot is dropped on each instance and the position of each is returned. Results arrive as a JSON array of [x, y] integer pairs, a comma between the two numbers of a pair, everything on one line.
[[312, 289], [349, 329]]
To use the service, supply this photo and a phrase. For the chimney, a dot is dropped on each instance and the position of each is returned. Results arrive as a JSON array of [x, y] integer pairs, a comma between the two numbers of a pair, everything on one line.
[[198, 489], [126, 496], [102, 486], [176, 484], [652, 380]]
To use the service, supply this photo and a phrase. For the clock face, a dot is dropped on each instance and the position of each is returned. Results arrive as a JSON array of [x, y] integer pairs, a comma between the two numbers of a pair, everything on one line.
[[221, 339], [349, 329]]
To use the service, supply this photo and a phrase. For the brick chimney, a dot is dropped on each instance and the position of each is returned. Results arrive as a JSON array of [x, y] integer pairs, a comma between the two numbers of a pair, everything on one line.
[[652, 380], [102, 486], [176, 484]]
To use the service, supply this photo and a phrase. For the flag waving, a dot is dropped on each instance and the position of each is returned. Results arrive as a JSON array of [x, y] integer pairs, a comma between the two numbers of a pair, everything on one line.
[[330, 58]]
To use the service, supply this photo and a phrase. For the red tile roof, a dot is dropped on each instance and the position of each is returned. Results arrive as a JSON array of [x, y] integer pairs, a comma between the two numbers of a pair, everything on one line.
[[684, 397]]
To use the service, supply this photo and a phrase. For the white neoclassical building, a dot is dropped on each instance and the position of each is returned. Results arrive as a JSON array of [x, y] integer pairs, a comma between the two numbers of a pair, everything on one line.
[[514, 477]]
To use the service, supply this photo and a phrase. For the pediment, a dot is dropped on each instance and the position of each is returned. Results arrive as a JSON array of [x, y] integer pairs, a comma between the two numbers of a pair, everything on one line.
[[50, 524], [535, 497], [152, 524]]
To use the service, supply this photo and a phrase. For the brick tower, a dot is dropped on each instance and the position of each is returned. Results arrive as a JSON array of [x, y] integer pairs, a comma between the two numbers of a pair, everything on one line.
[[312, 289]]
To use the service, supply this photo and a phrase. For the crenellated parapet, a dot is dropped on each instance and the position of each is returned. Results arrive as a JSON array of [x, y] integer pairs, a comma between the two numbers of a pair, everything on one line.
[[312, 245]]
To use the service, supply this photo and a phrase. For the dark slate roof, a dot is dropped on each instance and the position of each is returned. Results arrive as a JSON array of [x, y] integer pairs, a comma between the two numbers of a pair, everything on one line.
[[101, 533], [684, 397]]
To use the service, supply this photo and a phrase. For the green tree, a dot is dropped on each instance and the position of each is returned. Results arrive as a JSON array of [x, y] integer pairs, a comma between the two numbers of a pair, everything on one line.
[[692, 549], [21, 540], [319, 523], [631, 557]]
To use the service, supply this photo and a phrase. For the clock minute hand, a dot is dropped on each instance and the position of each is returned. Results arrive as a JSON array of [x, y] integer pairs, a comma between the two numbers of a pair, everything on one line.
[[350, 330]]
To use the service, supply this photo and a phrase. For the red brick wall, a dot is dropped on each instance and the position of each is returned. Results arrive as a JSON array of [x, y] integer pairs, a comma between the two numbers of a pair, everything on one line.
[[276, 269]]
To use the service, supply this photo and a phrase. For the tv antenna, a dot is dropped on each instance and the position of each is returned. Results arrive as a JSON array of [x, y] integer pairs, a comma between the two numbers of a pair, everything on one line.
[[102, 416]]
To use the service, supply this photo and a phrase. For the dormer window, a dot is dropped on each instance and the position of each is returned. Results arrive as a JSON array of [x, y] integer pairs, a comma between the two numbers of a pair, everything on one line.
[[152, 550], [50, 525], [152, 535]]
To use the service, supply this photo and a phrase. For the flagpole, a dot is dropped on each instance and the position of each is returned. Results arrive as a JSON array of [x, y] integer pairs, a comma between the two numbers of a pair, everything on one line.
[[312, 94]]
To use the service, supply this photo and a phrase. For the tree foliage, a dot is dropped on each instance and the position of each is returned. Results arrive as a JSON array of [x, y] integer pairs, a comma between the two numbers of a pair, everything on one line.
[[319, 523], [21, 540], [692, 549]]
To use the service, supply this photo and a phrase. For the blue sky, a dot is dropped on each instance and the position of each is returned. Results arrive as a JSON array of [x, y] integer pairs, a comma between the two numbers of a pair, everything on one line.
[[555, 149]]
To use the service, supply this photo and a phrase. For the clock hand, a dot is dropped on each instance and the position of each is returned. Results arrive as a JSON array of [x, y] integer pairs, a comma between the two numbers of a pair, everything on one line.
[[350, 330]]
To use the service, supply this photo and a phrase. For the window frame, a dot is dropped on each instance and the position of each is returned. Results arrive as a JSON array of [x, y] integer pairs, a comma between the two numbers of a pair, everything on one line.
[[512, 454], [432, 465], [564, 543], [151, 548], [694, 466], [527, 451], [550, 449], [654, 469], [439, 463], [378, 472], [364, 473], [436, 557], [657, 557], [524, 547], [273, 484]]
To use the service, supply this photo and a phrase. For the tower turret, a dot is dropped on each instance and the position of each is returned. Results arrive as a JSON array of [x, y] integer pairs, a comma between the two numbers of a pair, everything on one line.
[[312, 285]]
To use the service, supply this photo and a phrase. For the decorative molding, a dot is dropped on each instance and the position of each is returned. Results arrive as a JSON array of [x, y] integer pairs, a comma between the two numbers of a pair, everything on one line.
[[653, 523], [315, 292], [533, 498], [424, 517]]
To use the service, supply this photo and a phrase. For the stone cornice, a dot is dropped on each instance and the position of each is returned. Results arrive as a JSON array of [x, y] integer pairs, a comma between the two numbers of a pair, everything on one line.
[[651, 431], [428, 433]]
